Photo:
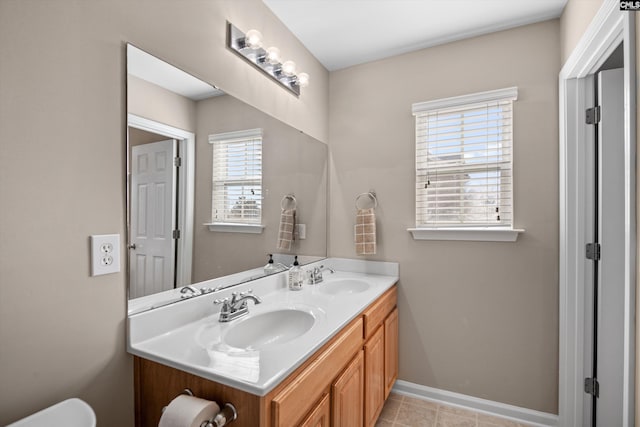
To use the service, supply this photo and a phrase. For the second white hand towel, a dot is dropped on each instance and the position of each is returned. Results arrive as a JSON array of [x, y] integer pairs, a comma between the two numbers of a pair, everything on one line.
[[365, 232]]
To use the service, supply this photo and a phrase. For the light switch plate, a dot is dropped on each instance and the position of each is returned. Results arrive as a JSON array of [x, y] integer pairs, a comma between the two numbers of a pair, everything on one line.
[[105, 254], [301, 231]]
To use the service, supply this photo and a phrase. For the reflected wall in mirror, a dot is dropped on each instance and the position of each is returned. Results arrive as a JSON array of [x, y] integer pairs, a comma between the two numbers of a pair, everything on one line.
[[179, 233]]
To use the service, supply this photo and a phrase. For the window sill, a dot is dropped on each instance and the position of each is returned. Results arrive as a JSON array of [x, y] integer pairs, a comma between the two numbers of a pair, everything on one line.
[[484, 234], [226, 227]]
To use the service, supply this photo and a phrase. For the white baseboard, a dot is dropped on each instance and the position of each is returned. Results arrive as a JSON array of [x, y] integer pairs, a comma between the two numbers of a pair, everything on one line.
[[515, 413]]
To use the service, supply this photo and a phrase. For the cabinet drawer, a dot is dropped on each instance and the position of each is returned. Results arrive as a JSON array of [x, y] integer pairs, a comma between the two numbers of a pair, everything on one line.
[[378, 311], [287, 407]]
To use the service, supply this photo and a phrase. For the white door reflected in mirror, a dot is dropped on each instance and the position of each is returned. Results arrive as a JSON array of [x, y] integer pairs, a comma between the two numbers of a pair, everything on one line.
[[153, 217]]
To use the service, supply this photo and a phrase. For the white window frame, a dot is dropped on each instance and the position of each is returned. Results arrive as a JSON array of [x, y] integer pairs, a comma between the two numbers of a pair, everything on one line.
[[499, 233], [230, 225]]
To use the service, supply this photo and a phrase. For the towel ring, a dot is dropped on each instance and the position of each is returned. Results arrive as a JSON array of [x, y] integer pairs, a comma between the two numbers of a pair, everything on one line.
[[286, 198], [371, 195]]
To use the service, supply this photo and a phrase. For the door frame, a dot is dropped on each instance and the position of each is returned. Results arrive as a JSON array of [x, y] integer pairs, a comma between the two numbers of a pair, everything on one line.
[[186, 188], [609, 28]]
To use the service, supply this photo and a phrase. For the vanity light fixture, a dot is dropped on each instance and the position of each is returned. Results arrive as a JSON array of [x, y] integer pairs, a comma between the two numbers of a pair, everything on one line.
[[253, 39], [249, 47]]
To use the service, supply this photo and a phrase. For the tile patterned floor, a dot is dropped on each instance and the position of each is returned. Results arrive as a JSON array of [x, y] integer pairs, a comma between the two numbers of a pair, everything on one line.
[[408, 411]]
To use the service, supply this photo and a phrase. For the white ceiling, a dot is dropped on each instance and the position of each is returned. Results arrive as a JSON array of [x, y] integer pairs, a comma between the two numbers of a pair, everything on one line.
[[342, 33], [148, 67]]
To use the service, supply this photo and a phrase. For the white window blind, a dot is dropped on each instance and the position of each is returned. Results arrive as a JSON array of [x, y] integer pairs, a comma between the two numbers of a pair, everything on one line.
[[237, 177], [464, 149]]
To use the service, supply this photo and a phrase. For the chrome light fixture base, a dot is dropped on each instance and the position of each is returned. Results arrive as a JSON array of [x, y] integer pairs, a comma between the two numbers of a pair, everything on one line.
[[258, 58]]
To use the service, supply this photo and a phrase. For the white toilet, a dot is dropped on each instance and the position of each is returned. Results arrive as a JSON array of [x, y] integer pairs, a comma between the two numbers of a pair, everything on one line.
[[68, 413]]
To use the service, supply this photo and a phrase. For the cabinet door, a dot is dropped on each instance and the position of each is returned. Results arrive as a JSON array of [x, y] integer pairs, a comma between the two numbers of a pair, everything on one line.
[[347, 394], [319, 416], [390, 351], [374, 377]]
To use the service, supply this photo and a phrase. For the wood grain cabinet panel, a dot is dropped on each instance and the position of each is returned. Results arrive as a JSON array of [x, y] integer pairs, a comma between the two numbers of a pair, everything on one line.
[[288, 408], [375, 314], [347, 395], [390, 351], [374, 377], [321, 414]]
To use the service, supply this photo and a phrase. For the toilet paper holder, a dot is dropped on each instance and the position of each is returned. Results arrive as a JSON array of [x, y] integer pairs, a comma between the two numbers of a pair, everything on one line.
[[226, 414], [222, 418]]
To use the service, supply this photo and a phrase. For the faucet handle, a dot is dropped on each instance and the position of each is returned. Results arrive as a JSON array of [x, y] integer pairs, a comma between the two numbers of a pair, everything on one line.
[[235, 296], [224, 301]]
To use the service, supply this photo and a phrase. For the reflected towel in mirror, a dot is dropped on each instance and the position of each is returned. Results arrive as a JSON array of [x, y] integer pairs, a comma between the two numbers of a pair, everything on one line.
[[287, 225]]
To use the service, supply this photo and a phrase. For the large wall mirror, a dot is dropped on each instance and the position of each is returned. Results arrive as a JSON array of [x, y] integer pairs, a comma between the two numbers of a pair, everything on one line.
[[209, 178]]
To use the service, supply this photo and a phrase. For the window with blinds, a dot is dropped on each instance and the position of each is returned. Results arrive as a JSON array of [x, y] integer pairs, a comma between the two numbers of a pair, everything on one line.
[[464, 170], [237, 177]]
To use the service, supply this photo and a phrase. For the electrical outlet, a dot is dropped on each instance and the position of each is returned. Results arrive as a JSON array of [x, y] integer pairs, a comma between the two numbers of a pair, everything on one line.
[[105, 254]]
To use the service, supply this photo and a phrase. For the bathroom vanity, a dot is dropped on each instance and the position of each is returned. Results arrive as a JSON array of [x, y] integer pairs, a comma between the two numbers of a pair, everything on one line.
[[323, 356]]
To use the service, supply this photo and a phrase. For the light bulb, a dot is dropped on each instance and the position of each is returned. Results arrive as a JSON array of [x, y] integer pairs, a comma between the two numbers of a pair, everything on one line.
[[303, 79], [288, 68], [273, 55], [253, 39]]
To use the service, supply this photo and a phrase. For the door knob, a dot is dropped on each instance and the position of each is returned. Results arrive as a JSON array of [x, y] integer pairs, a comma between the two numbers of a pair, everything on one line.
[[132, 246]]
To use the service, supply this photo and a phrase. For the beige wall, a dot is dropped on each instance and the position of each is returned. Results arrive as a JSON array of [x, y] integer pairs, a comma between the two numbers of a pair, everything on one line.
[[575, 19], [156, 103], [63, 109], [475, 318]]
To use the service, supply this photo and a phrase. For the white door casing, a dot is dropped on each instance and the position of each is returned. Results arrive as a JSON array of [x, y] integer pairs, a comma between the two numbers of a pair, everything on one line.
[[186, 184], [153, 215], [608, 29]]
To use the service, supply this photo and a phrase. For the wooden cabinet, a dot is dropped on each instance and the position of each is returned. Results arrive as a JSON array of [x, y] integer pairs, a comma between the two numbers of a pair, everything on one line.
[[344, 384], [288, 404], [390, 351], [347, 394], [380, 353], [374, 376], [320, 415]]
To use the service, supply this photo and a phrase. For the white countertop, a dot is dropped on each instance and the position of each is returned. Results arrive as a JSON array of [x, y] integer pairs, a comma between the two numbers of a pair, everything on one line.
[[189, 337]]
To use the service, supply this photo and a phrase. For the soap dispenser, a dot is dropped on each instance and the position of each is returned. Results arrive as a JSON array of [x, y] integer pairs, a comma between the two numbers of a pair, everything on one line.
[[270, 268], [296, 278]]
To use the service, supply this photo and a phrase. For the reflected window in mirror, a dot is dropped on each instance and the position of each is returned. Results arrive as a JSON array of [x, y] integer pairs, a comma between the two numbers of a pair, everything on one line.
[[237, 177]]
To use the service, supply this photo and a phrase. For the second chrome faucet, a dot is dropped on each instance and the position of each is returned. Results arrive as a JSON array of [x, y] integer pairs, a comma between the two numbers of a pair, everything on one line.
[[315, 275]]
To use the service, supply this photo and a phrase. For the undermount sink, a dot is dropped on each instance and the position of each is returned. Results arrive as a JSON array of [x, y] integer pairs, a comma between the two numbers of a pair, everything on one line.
[[270, 328], [344, 286]]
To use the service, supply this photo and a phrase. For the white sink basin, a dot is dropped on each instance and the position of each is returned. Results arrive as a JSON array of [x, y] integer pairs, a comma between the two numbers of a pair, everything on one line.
[[267, 329], [344, 286]]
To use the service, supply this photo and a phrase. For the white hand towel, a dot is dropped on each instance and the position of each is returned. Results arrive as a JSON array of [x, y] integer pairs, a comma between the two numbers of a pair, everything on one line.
[[365, 231]]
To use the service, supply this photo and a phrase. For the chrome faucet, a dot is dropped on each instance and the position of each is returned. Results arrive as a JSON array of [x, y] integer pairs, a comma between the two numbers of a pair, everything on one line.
[[193, 291], [316, 274], [236, 306]]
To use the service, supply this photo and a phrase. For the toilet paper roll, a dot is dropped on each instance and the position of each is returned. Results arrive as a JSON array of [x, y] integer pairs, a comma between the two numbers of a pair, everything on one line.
[[188, 411]]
